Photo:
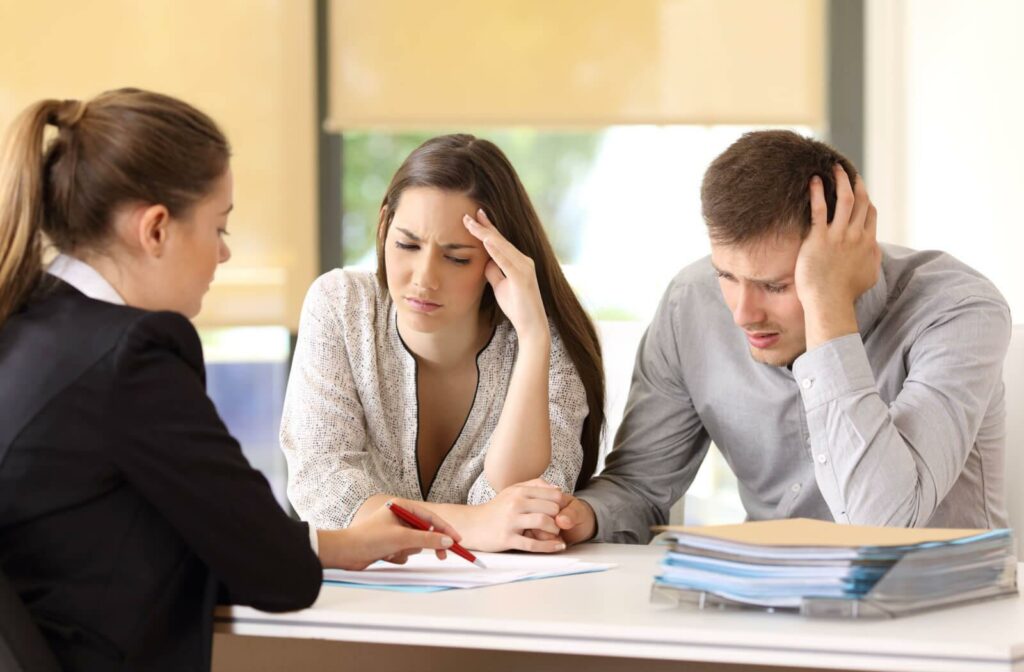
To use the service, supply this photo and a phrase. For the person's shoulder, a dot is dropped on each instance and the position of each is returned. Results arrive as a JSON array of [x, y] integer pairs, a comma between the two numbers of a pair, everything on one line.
[[95, 324], [65, 333], [697, 277], [94, 329], [165, 331], [937, 279], [346, 292], [59, 299], [693, 291]]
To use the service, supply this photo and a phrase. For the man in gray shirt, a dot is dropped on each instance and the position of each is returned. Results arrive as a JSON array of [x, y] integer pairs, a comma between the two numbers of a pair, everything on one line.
[[841, 379]]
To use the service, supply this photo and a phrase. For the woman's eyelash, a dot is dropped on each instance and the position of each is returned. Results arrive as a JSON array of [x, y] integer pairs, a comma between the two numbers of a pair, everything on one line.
[[407, 246]]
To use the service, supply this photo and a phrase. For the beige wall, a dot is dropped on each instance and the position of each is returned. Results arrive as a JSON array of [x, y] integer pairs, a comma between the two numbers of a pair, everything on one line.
[[247, 63], [415, 63], [943, 139]]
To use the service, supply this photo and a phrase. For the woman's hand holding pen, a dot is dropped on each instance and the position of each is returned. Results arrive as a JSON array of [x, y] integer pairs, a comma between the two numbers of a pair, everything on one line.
[[513, 278], [382, 536]]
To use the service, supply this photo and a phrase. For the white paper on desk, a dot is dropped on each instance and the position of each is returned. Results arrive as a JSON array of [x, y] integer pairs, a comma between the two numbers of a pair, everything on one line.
[[455, 572]]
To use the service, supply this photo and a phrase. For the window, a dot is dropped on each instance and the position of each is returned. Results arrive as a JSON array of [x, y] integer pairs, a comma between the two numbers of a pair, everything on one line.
[[246, 375]]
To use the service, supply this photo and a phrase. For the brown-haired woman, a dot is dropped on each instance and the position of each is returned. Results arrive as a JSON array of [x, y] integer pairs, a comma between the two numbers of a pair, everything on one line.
[[465, 373], [125, 504]]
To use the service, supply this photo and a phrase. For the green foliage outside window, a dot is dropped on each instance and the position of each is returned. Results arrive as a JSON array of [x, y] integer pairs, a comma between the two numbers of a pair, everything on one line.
[[548, 163]]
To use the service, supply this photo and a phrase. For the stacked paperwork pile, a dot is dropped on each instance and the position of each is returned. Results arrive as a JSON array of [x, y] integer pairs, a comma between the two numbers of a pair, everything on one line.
[[827, 569]]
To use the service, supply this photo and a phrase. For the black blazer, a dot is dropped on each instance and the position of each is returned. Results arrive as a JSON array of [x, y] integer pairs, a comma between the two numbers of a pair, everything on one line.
[[126, 507]]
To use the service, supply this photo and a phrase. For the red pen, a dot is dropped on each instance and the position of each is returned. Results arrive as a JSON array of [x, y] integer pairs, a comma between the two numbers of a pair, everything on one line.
[[420, 524]]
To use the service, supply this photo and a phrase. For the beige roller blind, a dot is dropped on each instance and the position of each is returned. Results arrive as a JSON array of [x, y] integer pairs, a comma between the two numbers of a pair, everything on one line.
[[404, 63], [247, 63]]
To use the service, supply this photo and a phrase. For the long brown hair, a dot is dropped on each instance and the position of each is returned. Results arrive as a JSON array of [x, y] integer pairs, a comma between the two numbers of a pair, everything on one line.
[[122, 146], [467, 165]]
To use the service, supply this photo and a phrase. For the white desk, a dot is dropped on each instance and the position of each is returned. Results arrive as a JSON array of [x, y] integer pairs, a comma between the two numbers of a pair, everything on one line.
[[594, 621]]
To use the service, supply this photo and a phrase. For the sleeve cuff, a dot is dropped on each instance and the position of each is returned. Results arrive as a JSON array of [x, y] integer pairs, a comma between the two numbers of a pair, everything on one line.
[[481, 492], [832, 370], [600, 513]]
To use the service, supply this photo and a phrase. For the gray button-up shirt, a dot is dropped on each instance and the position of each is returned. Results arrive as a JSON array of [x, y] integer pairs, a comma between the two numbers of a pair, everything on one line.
[[899, 425]]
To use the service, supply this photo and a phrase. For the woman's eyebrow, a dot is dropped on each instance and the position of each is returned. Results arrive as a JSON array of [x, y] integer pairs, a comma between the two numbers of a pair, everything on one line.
[[408, 233], [448, 246]]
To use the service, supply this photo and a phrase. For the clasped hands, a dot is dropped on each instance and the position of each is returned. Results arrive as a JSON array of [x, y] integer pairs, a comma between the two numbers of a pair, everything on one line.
[[534, 516]]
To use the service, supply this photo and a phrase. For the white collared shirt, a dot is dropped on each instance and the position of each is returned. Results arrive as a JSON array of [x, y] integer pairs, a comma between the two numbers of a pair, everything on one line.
[[88, 281], [84, 278]]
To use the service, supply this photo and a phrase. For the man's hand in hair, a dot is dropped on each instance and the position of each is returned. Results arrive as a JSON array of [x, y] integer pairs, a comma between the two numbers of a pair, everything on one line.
[[838, 261]]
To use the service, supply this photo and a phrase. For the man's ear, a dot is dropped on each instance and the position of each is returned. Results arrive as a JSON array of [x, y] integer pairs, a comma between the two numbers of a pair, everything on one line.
[[154, 230]]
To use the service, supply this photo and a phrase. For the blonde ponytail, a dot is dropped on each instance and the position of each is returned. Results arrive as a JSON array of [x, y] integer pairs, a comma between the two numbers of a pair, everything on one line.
[[21, 205]]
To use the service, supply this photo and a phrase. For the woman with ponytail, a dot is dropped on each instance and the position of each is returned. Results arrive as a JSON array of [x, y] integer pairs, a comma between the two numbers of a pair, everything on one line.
[[464, 373], [126, 507]]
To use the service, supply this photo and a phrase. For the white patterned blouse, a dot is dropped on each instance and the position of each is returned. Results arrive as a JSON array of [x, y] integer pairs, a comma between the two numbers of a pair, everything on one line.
[[350, 416]]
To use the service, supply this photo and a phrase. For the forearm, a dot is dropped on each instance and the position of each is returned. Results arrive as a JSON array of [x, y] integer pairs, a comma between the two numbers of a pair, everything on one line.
[[369, 506], [620, 515], [865, 469], [453, 513], [868, 472], [469, 521], [520, 447], [337, 548], [827, 317]]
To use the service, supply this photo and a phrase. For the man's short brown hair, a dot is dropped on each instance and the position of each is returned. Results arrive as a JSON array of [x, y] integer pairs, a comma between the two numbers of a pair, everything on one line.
[[759, 186]]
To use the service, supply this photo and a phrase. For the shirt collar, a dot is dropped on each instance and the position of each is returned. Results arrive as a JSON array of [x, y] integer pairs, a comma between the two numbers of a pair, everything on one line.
[[84, 278]]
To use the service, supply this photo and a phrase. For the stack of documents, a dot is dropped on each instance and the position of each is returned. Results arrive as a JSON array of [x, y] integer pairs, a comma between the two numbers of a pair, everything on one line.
[[822, 568], [424, 573]]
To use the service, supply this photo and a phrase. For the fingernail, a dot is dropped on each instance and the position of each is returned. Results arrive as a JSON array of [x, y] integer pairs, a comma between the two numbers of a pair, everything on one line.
[[561, 547], [446, 541]]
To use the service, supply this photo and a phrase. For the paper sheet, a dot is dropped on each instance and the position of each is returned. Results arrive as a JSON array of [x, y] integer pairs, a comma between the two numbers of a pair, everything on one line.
[[425, 573]]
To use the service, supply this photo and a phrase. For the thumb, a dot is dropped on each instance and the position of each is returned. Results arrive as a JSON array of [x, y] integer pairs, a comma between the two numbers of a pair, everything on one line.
[[567, 518], [572, 515]]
